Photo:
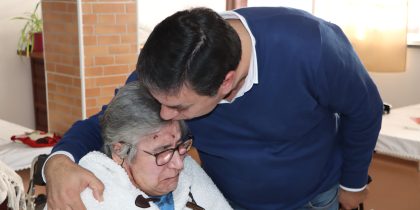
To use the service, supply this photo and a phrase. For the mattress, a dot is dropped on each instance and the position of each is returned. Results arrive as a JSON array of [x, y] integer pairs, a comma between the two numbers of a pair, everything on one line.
[[400, 133]]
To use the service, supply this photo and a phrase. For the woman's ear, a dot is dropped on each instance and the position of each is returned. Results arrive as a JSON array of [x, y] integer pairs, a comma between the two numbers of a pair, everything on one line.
[[116, 149]]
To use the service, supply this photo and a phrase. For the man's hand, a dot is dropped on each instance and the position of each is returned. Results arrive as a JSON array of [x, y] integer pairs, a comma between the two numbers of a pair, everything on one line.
[[351, 200], [66, 180]]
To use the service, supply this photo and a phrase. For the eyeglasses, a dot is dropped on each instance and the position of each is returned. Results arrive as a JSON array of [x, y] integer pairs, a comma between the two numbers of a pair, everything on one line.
[[165, 156]]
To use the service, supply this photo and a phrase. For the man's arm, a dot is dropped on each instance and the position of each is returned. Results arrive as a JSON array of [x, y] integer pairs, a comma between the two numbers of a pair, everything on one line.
[[85, 135], [65, 179], [347, 89]]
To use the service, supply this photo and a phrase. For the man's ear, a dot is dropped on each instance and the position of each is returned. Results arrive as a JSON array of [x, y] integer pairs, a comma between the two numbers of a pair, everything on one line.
[[116, 149], [228, 83]]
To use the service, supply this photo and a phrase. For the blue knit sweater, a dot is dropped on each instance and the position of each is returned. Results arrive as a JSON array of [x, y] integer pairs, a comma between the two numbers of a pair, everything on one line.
[[311, 122]]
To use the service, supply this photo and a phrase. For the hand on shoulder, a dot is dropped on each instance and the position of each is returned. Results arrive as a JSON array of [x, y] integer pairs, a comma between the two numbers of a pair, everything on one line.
[[66, 180]]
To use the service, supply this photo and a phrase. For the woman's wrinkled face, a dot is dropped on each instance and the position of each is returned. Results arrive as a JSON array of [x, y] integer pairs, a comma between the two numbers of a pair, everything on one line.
[[152, 179]]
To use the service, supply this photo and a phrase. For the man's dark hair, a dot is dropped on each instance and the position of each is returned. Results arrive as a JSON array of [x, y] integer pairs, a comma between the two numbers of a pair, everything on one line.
[[195, 47]]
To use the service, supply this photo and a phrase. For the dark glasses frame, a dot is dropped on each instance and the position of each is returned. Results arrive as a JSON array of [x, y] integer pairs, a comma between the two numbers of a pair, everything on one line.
[[187, 142]]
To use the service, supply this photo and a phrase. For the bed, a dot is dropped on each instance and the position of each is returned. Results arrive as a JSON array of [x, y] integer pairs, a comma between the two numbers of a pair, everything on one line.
[[400, 134], [16, 155]]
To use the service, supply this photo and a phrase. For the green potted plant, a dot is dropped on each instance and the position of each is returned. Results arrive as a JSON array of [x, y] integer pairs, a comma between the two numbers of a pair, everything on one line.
[[30, 39]]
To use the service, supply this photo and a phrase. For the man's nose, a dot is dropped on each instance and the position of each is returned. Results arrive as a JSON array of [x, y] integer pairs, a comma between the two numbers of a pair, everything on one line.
[[168, 113]]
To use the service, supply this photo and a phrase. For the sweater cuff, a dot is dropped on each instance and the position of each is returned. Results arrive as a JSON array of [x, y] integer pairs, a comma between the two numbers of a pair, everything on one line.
[[353, 189], [354, 180], [55, 153]]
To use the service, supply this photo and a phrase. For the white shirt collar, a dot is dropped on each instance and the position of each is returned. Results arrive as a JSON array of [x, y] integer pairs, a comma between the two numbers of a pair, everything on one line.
[[252, 77]]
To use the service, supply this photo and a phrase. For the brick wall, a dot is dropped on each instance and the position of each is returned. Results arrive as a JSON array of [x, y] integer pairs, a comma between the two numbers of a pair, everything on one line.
[[109, 54], [61, 54], [110, 44]]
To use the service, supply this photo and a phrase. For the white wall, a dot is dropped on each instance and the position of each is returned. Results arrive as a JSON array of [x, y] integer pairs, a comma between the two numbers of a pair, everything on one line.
[[401, 89], [16, 99], [151, 12]]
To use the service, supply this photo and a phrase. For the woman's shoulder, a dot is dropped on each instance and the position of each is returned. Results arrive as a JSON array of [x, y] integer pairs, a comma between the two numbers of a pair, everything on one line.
[[94, 157], [191, 166], [105, 169], [202, 187]]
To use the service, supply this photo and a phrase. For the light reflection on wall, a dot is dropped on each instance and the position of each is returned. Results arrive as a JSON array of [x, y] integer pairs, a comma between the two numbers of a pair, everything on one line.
[[377, 29], [151, 12], [300, 4]]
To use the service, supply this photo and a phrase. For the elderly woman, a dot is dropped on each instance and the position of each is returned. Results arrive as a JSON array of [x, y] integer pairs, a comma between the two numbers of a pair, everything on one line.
[[146, 165]]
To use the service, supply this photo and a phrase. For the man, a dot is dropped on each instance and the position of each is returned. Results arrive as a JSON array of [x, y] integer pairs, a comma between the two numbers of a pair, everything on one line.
[[284, 114]]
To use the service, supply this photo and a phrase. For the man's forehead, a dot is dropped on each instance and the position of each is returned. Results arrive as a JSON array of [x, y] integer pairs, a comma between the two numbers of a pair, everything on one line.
[[169, 100], [172, 102]]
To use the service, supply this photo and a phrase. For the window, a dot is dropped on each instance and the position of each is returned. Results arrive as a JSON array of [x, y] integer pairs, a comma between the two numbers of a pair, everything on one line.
[[413, 25], [413, 28]]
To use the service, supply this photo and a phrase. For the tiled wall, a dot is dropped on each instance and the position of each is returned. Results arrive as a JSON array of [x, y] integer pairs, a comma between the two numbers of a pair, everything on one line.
[[109, 52]]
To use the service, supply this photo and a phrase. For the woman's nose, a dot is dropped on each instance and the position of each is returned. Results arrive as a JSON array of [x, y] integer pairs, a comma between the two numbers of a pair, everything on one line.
[[177, 161], [168, 113]]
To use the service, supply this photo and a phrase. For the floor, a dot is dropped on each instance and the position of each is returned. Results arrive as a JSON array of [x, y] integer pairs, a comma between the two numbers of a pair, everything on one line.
[[395, 185], [25, 178]]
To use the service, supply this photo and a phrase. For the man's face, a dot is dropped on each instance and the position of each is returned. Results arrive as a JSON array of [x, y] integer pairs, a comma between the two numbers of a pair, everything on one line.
[[186, 105]]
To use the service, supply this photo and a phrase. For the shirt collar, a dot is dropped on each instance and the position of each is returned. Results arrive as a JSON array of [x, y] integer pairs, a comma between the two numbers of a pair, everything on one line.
[[252, 77], [166, 202]]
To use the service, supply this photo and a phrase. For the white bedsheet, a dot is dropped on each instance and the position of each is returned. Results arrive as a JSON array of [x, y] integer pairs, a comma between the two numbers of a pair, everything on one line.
[[16, 155], [400, 134]]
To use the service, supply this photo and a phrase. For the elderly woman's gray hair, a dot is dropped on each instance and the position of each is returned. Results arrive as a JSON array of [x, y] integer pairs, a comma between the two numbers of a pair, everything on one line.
[[132, 113]]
